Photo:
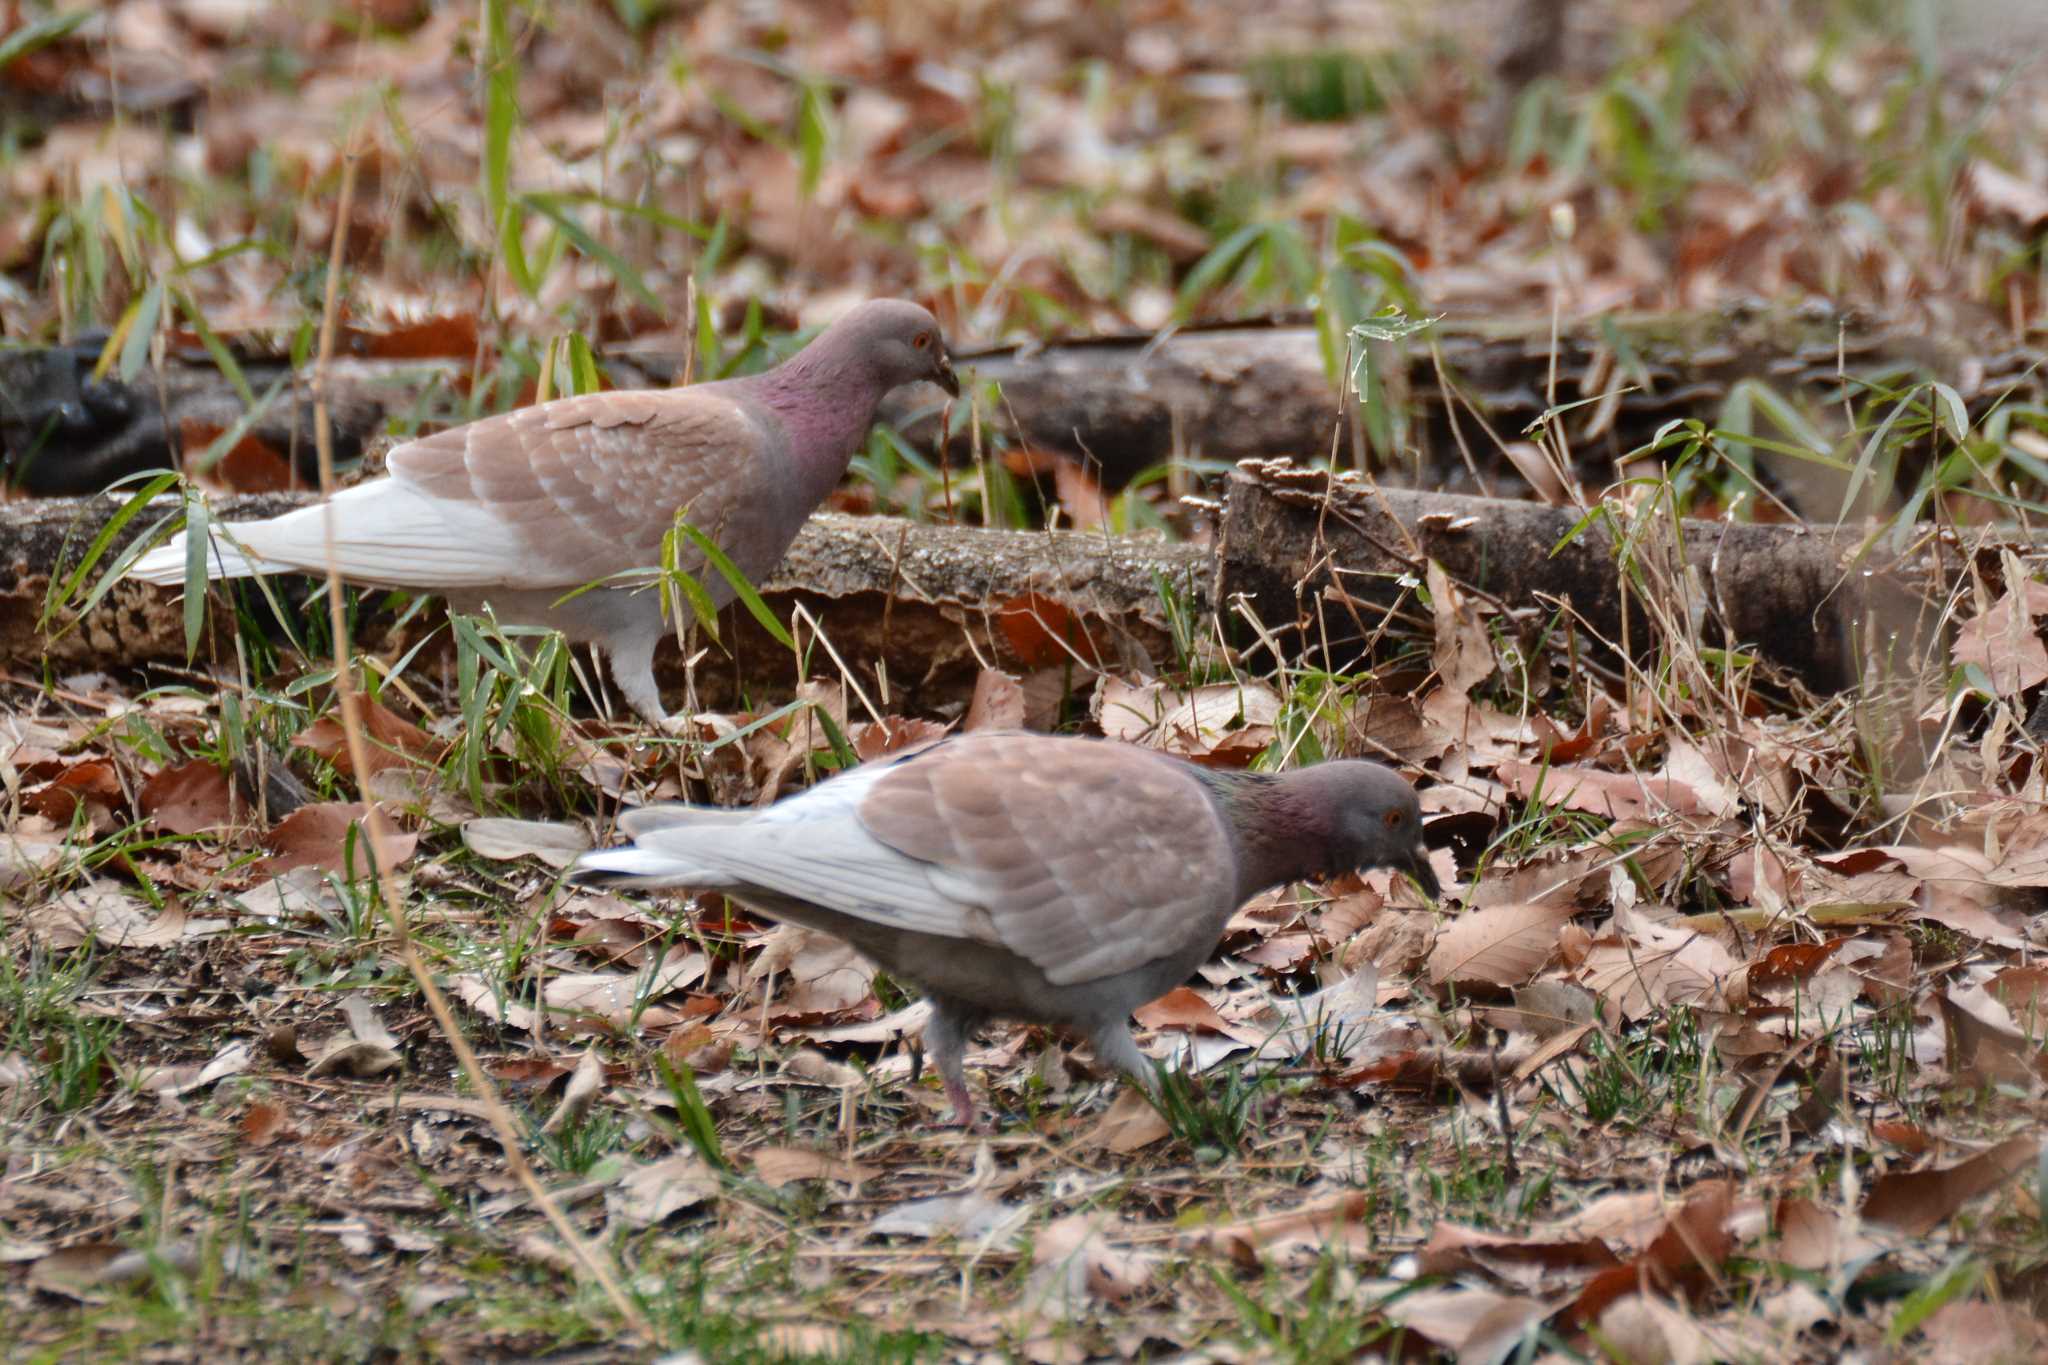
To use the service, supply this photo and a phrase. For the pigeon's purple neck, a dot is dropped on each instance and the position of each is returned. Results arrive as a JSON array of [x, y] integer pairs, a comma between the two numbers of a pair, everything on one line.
[[1279, 832], [826, 405]]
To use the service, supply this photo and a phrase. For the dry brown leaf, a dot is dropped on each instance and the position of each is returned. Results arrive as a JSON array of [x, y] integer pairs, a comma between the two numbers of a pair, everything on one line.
[[344, 1056], [1973, 1332], [1181, 1008], [1044, 632], [1503, 945], [1642, 964], [1550, 1008], [93, 786], [1542, 475], [779, 1166], [1470, 1323], [1813, 1237], [809, 1064], [1686, 1255], [1792, 962], [1993, 191], [1985, 1045], [318, 835], [1080, 494], [894, 735], [1397, 943], [998, 703], [1917, 1202], [262, 1124], [1462, 655], [1333, 1222], [1130, 1125], [2005, 642], [614, 997], [1643, 1327], [819, 977], [493, 1002], [1454, 1249], [169, 1081], [388, 741], [651, 1191], [187, 798], [2024, 991], [1576, 879], [101, 912], [553, 843], [586, 1083], [1395, 728], [25, 858], [1617, 796], [969, 1217], [368, 1049], [1226, 724], [1075, 1263]]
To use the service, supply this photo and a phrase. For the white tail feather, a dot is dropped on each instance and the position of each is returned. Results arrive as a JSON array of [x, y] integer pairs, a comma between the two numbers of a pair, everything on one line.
[[648, 819], [165, 565], [385, 532], [645, 869]]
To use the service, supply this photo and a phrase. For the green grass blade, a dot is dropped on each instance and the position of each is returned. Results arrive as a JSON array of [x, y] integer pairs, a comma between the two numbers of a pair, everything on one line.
[[197, 517], [744, 590], [622, 270], [60, 595], [141, 329], [583, 377], [220, 445], [40, 34], [215, 347]]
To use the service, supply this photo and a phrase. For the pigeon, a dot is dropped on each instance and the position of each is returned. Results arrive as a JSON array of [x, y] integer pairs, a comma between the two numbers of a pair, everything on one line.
[[520, 510], [1053, 879]]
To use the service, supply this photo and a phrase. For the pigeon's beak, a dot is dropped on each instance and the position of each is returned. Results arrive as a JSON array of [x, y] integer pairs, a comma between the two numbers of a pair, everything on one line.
[[943, 376], [1425, 876]]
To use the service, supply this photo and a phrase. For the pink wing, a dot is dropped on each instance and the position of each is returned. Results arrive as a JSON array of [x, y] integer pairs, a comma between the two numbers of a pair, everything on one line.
[[1087, 858]]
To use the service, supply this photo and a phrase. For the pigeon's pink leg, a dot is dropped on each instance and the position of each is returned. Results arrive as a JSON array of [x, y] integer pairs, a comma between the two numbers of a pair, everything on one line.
[[963, 1115], [946, 1035]]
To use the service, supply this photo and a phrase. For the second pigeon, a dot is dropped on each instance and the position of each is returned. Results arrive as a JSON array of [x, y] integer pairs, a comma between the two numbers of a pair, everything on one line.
[[1056, 880], [520, 510]]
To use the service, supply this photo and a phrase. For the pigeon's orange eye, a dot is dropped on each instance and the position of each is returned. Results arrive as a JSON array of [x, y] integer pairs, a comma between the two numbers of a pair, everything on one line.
[[1394, 819], [922, 341]]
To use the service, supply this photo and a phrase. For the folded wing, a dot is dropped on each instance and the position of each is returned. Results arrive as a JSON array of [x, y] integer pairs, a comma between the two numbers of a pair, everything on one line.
[[553, 496], [1086, 859]]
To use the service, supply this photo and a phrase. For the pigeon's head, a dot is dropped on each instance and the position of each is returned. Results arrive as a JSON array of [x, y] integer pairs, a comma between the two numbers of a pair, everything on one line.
[[901, 343], [1374, 819]]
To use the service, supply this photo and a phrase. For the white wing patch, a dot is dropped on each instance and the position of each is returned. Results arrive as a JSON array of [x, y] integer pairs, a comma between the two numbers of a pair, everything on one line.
[[384, 533], [813, 847], [389, 533]]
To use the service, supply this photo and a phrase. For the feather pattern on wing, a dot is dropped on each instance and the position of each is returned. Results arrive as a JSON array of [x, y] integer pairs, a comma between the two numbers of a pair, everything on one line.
[[1050, 852], [813, 848], [546, 497]]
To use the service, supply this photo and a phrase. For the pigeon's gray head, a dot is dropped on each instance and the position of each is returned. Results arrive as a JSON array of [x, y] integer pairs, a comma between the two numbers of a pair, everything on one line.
[[1373, 817], [897, 341]]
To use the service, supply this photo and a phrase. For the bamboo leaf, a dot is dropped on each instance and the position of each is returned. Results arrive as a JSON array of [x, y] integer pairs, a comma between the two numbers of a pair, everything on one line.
[[622, 270], [141, 330], [583, 376], [675, 578], [40, 34], [197, 516], [215, 347], [1951, 413], [228, 439], [60, 595], [744, 590]]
